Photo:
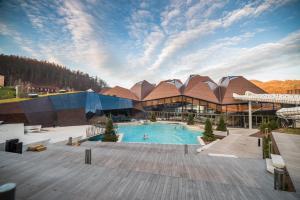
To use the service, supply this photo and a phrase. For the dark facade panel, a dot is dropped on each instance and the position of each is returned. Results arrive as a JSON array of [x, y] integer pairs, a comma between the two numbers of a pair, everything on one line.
[[71, 117], [114, 103], [42, 104], [46, 118], [93, 102], [68, 101], [14, 118], [11, 108]]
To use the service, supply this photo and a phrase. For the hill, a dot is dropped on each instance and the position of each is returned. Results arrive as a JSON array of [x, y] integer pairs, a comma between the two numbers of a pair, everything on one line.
[[276, 86], [43, 73]]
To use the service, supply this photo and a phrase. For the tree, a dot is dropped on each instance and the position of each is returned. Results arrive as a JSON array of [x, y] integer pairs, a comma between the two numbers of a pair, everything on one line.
[[110, 133], [273, 124], [153, 117], [263, 126], [190, 119], [208, 132], [43, 73], [222, 125]]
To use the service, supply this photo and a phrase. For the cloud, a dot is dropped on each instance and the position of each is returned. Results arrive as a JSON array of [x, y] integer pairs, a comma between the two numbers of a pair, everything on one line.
[[151, 40], [223, 58], [10, 32], [179, 41], [81, 26]]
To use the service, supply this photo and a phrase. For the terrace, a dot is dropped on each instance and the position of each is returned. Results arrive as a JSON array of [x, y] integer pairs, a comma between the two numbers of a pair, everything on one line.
[[136, 171]]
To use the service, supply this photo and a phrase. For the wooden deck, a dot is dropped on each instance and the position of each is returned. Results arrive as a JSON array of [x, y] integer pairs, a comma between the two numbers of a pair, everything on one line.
[[289, 148], [135, 171]]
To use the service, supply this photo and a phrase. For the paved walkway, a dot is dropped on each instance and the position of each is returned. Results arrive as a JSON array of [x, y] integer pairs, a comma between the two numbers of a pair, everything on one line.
[[238, 143], [135, 171], [289, 148]]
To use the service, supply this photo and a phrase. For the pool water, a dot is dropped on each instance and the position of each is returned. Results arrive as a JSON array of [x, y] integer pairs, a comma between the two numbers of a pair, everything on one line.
[[159, 133]]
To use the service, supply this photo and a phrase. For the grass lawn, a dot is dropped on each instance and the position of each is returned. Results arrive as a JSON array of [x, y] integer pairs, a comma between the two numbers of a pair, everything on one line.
[[289, 130], [13, 99], [7, 92]]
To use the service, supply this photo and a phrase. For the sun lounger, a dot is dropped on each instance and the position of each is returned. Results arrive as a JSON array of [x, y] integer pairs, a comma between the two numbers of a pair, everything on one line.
[[270, 167], [222, 155], [32, 129], [277, 161]]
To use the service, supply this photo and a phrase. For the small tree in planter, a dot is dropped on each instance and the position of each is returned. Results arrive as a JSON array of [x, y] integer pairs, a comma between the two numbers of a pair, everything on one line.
[[273, 124], [110, 133], [222, 125], [190, 120], [208, 132], [263, 126], [153, 117]]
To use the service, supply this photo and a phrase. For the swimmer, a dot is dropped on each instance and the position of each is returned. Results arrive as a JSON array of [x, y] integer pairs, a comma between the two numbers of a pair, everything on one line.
[[145, 136]]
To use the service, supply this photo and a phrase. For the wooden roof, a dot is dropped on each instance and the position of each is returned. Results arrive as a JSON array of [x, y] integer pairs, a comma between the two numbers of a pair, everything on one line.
[[121, 92], [235, 84], [201, 87], [167, 88], [142, 89]]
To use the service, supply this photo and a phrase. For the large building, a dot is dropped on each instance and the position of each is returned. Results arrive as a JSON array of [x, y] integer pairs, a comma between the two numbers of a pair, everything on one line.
[[64, 109], [198, 94], [173, 99]]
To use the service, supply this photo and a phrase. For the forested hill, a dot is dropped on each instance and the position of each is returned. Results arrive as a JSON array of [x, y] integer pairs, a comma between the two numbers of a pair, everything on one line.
[[43, 73]]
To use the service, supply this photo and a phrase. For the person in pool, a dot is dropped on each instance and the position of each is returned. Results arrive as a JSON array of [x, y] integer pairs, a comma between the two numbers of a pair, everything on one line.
[[145, 136]]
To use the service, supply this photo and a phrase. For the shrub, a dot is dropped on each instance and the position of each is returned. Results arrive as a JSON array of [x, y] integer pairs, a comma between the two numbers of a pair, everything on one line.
[[265, 148], [110, 138], [110, 133], [273, 124], [263, 126], [222, 125], [190, 119], [208, 132], [153, 117]]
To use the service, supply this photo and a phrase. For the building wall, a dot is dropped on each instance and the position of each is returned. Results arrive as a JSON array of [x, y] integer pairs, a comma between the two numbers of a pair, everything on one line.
[[294, 91], [1, 81], [62, 110]]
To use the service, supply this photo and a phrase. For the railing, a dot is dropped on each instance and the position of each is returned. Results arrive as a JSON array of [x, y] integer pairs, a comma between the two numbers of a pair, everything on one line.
[[232, 120]]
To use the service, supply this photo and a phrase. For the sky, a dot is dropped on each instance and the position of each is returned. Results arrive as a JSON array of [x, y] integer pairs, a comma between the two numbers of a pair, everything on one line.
[[124, 42]]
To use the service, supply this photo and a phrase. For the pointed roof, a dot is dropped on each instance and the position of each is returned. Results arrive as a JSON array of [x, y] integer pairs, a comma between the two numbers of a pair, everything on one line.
[[142, 89], [121, 92], [194, 79], [167, 88], [201, 87], [235, 84]]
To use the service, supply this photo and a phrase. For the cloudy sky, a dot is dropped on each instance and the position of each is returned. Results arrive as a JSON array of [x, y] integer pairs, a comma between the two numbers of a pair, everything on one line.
[[127, 41]]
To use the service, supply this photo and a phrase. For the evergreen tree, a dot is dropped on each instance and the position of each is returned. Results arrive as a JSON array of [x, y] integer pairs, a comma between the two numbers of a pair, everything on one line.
[[110, 133], [222, 125], [208, 132], [43, 73], [153, 117], [190, 119]]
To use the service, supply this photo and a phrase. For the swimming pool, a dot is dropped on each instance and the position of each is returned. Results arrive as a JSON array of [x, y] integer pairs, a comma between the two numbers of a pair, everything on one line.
[[159, 133]]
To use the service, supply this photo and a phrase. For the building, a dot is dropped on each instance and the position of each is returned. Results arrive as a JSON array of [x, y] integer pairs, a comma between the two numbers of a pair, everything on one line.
[[33, 88], [64, 109], [199, 95], [293, 91], [1, 80]]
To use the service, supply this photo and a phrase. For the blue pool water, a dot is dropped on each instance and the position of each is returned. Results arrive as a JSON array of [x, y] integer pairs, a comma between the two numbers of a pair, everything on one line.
[[159, 133]]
